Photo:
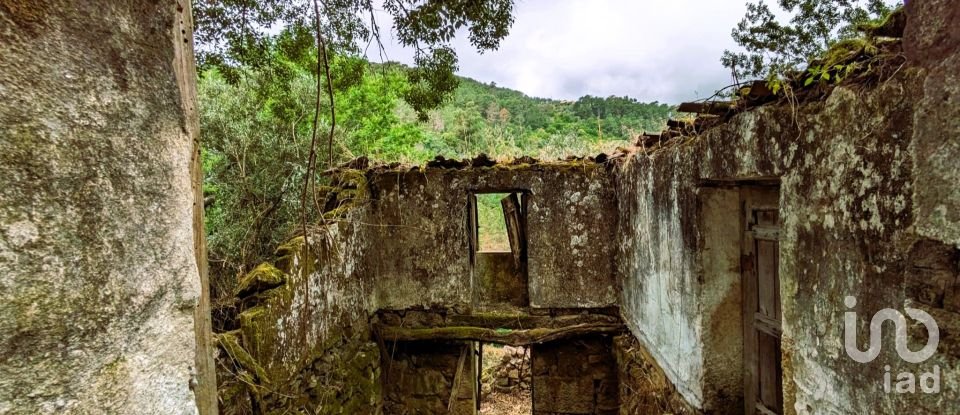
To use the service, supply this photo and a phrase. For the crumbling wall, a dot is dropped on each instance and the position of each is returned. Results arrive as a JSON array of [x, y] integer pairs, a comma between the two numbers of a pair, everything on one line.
[[418, 219], [863, 177], [304, 342], [98, 278]]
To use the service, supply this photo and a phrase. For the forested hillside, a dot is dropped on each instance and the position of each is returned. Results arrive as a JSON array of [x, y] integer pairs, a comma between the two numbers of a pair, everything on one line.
[[257, 127]]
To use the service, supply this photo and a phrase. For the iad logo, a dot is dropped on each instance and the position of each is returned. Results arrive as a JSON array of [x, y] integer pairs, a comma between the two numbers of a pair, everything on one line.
[[906, 381]]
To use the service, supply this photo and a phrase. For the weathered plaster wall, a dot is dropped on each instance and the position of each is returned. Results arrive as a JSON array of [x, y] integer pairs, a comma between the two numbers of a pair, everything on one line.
[[721, 304], [98, 280], [850, 168], [660, 299], [418, 220]]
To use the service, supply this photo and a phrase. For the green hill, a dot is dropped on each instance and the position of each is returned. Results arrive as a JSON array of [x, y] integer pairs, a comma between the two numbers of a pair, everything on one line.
[[503, 122]]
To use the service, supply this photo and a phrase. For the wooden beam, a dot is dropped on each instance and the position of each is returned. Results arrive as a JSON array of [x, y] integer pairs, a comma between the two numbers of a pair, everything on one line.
[[526, 321], [502, 336], [709, 107]]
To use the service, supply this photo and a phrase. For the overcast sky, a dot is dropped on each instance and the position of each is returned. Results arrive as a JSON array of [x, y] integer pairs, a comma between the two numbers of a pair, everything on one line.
[[652, 50]]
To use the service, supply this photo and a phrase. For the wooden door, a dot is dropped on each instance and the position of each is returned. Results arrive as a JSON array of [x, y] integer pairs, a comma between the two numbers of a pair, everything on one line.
[[761, 301], [512, 216]]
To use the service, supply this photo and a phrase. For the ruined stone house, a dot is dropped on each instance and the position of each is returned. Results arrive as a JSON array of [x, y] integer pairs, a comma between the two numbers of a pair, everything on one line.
[[710, 273]]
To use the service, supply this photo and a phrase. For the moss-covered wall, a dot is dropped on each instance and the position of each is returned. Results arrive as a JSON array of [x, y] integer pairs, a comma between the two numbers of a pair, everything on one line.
[[304, 343], [421, 256], [863, 177]]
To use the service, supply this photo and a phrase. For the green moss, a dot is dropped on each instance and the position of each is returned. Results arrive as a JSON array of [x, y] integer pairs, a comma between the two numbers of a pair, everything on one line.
[[886, 24], [264, 277], [339, 212], [847, 49], [291, 247], [231, 345]]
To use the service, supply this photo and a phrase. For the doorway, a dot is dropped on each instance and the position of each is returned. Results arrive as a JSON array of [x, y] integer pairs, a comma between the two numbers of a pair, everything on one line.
[[505, 383]]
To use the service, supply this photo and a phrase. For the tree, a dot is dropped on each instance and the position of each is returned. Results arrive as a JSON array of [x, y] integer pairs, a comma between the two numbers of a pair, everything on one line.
[[773, 48], [235, 33]]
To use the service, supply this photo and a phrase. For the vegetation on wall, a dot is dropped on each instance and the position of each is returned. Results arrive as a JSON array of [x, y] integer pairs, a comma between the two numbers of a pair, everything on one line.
[[773, 49]]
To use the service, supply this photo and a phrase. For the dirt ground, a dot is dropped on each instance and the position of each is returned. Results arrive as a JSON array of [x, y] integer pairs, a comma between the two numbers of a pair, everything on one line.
[[506, 404]]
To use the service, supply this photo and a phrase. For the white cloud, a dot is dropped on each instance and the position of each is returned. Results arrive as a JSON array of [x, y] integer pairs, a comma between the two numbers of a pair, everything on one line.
[[652, 50]]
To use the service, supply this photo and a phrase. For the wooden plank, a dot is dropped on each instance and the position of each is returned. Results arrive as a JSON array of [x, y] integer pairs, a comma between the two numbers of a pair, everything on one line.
[[457, 379], [494, 320], [763, 410], [767, 278], [750, 363], [776, 282], [766, 233], [767, 325], [479, 374], [769, 353]]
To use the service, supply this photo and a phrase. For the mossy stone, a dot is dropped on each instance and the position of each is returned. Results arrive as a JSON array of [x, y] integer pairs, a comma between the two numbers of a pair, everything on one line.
[[264, 277]]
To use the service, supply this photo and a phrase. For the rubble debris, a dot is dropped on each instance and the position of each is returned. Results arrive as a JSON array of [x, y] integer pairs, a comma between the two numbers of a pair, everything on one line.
[[510, 374]]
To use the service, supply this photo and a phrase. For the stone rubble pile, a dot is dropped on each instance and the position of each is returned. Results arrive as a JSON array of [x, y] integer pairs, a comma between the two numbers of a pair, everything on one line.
[[511, 374]]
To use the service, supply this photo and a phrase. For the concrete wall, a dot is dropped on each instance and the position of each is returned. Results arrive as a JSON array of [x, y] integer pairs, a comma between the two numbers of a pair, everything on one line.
[[863, 177], [98, 276], [417, 221]]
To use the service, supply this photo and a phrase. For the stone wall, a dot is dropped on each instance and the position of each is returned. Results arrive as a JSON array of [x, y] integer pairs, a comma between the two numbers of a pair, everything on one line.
[[418, 219], [419, 378], [98, 275], [575, 376], [863, 178]]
